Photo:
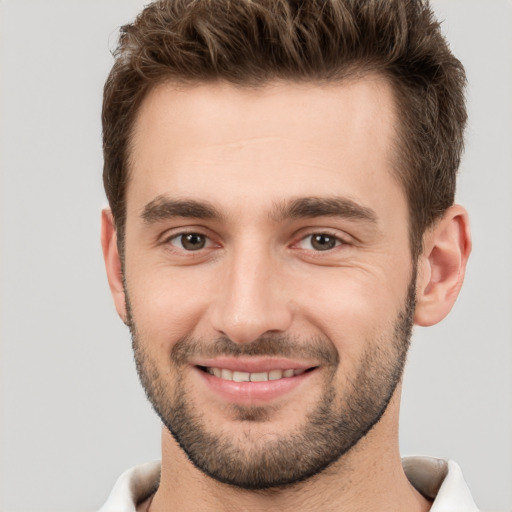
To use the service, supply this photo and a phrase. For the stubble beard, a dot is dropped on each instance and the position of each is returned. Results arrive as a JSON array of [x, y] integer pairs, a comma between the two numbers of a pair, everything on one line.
[[336, 424]]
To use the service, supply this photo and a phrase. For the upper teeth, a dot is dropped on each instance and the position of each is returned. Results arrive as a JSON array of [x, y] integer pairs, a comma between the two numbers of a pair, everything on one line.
[[236, 376]]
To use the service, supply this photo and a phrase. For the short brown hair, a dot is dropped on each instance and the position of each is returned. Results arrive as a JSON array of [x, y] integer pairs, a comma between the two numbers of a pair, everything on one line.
[[252, 42]]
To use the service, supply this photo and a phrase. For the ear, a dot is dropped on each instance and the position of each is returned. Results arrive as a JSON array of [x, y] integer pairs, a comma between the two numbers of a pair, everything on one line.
[[113, 262], [442, 266]]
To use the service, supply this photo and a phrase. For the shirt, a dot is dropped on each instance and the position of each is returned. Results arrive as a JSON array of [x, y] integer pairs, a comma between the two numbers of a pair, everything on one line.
[[437, 479]]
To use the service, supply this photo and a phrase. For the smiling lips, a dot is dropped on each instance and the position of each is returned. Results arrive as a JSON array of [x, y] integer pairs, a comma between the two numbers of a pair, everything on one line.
[[239, 376], [253, 381]]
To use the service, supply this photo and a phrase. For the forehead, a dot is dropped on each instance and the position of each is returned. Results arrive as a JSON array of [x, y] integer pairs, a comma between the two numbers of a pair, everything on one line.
[[240, 144]]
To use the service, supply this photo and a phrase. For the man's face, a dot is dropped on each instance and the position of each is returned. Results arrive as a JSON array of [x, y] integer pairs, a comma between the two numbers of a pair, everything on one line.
[[268, 275]]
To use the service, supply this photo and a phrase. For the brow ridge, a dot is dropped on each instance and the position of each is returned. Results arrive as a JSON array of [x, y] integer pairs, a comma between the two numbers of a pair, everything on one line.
[[311, 207], [163, 208]]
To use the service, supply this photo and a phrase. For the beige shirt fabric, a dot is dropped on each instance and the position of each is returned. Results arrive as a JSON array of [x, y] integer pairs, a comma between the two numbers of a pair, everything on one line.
[[437, 479]]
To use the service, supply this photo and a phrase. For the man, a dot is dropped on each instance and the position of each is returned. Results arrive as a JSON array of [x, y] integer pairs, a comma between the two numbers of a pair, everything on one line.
[[281, 179]]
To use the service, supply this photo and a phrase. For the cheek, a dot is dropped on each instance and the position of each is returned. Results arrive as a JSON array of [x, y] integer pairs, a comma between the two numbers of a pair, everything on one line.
[[352, 308], [167, 303]]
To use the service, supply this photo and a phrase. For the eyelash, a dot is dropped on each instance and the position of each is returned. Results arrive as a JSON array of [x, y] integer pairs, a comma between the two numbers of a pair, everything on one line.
[[182, 234], [209, 243], [337, 240]]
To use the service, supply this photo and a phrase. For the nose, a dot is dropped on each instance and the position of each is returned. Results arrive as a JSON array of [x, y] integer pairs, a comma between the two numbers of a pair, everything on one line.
[[251, 299]]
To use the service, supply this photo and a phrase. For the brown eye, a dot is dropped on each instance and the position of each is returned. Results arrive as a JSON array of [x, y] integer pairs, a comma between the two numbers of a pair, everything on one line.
[[320, 242], [323, 242], [189, 241]]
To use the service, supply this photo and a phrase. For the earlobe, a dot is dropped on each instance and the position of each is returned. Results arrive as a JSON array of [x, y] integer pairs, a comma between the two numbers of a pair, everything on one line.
[[442, 266], [113, 262]]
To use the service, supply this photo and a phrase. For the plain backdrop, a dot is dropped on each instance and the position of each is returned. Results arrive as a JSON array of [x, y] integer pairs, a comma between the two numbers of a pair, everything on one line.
[[73, 416]]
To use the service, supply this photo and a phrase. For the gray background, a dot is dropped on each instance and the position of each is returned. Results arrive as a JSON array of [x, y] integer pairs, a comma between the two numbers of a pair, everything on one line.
[[72, 414]]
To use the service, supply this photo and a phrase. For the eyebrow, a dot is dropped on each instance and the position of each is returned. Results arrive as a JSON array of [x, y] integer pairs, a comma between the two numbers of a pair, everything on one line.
[[163, 208], [311, 207]]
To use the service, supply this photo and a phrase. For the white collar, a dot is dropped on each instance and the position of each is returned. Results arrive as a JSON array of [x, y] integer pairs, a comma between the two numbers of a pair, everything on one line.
[[439, 480], [436, 479]]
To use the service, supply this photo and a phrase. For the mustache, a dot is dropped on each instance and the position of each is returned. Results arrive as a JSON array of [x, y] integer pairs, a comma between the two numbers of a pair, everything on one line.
[[319, 349]]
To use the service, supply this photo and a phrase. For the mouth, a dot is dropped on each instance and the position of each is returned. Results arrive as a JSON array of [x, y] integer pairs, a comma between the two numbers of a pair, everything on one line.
[[253, 381], [263, 376]]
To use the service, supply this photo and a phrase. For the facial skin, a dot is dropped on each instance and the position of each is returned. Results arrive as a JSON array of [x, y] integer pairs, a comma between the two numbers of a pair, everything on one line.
[[266, 231], [328, 430]]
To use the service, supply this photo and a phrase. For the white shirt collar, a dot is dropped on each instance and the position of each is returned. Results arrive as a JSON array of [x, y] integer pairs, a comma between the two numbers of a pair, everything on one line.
[[132, 487], [440, 480], [436, 479]]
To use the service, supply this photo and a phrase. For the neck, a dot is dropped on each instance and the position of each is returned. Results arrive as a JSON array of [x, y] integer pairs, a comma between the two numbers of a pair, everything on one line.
[[369, 477]]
